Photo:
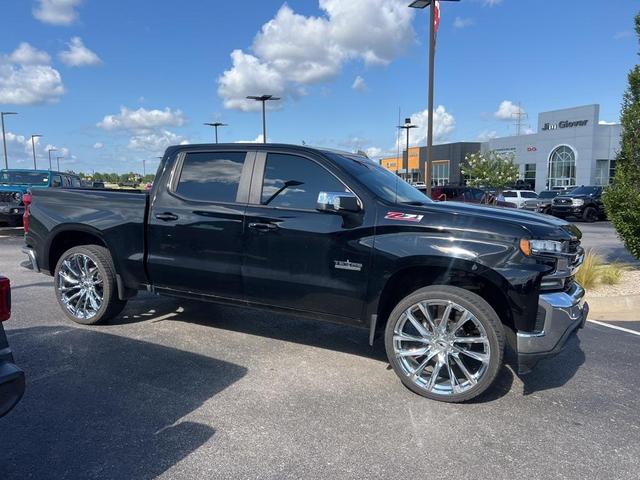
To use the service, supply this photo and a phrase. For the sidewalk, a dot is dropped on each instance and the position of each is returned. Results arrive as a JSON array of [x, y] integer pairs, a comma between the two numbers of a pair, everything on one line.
[[625, 308]]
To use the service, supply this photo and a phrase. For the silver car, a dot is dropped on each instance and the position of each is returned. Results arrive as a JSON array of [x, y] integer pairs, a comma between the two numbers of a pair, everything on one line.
[[543, 202]]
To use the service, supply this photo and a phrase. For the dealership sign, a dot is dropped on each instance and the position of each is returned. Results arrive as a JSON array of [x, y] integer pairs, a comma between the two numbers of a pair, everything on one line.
[[565, 124]]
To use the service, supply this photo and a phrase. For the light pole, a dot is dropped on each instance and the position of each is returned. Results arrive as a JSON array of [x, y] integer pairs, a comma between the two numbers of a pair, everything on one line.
[[58, 162], [4, 140], [435, 23], [33, 149], [407, 126], [264, 99], [51, 150], [215, 126]]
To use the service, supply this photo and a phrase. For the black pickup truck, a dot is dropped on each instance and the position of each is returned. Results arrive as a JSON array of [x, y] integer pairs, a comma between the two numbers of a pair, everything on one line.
[[583, 202], [327, 235]]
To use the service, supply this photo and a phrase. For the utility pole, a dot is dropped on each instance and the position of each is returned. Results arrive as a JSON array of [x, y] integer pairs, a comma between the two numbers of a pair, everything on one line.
[[4, 140], [58, 162], [51, 150], [215, 126], [434, 24], [264, 99], [407, 126], [33, 149], [519, 116]]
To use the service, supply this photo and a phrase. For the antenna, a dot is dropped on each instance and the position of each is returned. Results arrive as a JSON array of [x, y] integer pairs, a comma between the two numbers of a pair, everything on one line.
[[519, 117]]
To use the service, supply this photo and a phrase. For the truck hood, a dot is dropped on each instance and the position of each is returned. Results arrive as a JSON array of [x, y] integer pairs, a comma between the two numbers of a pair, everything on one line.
[[13, 188], [537, 224]]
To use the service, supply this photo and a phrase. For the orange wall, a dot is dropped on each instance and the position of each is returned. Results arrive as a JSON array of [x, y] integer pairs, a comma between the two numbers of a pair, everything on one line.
[[393, 163]]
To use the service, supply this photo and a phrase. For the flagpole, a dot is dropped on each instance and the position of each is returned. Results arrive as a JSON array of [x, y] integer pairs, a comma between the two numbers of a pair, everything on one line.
[[432, 57]]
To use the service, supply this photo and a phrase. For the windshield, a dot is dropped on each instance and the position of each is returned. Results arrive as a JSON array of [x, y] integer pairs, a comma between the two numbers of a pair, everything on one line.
[[385, 184], [548, 194], [528, 195], [586, 191], [24, 178]]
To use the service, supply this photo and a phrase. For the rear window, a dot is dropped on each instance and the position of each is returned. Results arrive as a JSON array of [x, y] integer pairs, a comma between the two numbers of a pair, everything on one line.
[[510, 194], [548, 194], [211, 176], [528, 195]]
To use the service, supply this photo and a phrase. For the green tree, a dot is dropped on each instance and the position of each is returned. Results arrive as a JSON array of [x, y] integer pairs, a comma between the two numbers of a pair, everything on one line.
[[490, 170], [622, 198]]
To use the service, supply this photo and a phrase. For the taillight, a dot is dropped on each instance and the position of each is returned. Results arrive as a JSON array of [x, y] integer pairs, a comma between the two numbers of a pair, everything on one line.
[[26, 199], [5, 299]]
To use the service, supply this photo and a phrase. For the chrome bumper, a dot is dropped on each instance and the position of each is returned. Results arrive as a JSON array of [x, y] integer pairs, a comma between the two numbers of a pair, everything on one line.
[[564, 313], [33, 261]]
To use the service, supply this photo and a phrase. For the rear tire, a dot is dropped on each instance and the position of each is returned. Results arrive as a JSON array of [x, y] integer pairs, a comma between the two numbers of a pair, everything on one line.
[[590, 215], [86, 286], [465, 355]]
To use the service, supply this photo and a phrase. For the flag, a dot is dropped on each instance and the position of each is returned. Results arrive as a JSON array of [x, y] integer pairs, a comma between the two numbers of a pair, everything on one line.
[[436, 18]]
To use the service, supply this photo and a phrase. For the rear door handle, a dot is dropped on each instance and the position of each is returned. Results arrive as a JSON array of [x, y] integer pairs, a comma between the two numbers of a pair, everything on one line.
[[166, 216], [263, 227]]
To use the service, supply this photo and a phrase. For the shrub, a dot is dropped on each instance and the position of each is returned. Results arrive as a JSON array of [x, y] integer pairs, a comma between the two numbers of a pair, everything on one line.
[[612, 274], [588, 274]]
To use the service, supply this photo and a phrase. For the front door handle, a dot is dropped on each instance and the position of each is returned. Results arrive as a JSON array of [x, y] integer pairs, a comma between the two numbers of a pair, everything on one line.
[[166, 216], [263, 227]]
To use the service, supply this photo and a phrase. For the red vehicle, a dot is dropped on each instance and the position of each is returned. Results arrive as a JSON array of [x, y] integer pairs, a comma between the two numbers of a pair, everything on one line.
[[11, 377], [466, 195]]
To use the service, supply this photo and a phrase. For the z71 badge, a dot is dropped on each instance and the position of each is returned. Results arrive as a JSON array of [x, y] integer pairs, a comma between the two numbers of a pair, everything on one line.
[[403, 217]]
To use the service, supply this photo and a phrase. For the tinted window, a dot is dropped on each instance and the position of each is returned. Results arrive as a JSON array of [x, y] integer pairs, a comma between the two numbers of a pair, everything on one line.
[[294, 182], [56, 181], [587, 191], [510, 194], [528, 195], [75, 182], [548, 194], [211, 176], [24, 178], [476, 194]]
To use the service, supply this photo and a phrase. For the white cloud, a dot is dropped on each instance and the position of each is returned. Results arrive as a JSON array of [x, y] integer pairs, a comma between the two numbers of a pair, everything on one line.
[[155, 142], [293, 50], [492, 3], [78, 55], [142, 120], [359, 85], [507, 110], [623, 34], [460, 22], [57, 12], [604, 122], [527, 131], [487, 135], [25, 54], [374, 152], [98, 145], [20, 152], [258, 139], [27, 79], [443, 124]]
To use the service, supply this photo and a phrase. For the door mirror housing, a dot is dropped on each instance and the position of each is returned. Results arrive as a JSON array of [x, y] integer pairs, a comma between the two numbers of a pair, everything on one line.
[[337, 202]]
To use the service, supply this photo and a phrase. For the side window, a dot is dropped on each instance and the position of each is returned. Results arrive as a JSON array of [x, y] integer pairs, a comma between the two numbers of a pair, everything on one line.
[[294, 182], [56, 181], [75, 182], [66, 181], [510, 194], [477, 194], [211, 176]]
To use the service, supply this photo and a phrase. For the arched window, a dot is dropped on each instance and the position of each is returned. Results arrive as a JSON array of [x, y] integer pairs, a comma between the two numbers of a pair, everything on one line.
[[562, 167]]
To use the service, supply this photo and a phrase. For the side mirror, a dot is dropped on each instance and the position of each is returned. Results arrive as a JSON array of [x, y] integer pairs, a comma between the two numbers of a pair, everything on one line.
[[337, 202]]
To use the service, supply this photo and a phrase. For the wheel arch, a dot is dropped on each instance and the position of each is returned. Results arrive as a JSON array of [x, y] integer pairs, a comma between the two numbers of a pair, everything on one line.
[[69, 236]]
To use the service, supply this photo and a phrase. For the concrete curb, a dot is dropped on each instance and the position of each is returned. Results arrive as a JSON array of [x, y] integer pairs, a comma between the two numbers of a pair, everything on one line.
[[614, 308]]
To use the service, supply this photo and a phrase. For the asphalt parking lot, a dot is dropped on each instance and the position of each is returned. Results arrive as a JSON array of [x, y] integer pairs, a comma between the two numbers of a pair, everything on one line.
[[178, 389]]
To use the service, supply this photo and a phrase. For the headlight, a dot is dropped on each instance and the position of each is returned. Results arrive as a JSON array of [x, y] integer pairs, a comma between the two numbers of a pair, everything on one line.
[[17, 196], [577, 202], [533, 247]]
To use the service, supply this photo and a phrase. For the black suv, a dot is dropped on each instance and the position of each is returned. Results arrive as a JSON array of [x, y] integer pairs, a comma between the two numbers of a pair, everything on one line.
[[584, 203]]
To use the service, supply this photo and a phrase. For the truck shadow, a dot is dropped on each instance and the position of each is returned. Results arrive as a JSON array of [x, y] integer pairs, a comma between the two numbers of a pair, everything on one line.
[[103, 406]]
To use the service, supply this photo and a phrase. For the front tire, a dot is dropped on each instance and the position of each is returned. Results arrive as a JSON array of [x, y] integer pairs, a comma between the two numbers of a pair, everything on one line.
[[590, 215], [86, 287], [445, 343]]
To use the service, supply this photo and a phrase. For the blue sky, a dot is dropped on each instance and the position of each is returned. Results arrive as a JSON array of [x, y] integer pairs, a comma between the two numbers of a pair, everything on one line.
[[112, 83]]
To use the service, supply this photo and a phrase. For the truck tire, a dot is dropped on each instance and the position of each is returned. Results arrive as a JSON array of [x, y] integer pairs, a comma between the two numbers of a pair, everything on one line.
[[420, 345], [590, 215], [85, 285]]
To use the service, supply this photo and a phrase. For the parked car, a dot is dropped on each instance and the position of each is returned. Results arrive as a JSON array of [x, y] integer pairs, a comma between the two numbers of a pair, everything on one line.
[[466, 195], [583, 202], [15, 183], [326, 235], [518, 197], [11, 377], [543, 203]]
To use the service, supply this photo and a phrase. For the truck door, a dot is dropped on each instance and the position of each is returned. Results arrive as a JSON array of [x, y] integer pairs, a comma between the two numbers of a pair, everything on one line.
[[196, 223], [296, 256]]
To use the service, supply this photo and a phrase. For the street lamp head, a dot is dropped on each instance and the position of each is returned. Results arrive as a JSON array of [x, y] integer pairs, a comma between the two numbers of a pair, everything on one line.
[[8, 113], [52, 149], [262, 98], [35, 135], [425, 3], [216, 124]]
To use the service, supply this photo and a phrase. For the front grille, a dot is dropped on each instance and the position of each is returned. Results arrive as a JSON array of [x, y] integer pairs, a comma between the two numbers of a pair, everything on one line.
[[7, 197], [562, 201]]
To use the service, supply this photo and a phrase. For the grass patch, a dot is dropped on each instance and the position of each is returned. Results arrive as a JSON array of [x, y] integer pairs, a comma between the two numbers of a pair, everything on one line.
[[589, 272], [612, 274]]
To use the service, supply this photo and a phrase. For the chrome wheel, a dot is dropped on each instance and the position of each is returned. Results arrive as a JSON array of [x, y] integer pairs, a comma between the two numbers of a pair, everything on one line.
[[80, 286], [441, 347]]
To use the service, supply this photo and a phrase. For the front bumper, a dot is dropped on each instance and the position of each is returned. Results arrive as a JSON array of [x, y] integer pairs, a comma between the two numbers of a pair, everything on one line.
[[33, 260], [566, 210], [563, 313]]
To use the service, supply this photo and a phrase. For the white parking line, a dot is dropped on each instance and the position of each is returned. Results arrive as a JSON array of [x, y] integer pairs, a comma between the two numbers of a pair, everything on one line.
[[615, 327]]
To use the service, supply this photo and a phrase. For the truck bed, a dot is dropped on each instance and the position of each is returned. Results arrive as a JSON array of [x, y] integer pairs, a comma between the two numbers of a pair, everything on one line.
[[115, 217]]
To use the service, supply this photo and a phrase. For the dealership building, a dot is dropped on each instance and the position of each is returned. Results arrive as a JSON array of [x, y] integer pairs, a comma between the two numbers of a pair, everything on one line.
[[571, 147]]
